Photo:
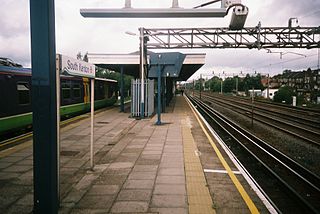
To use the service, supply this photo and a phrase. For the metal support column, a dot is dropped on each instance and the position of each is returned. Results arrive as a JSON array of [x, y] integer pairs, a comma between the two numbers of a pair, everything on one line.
[[121, 90], [92, 124], [159, 97], [268, 93], [45, 155], [200, 85], [237, 79], [142, 71]]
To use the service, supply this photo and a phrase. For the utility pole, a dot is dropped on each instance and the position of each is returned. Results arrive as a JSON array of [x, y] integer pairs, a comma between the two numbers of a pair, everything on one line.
[[237, 85], [268, 94], [252, 100], [193, 88], [175, 4], [318, 56], [142, 72], [200, 84]]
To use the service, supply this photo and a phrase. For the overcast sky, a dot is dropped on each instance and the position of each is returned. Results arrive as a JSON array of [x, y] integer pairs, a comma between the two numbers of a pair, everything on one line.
[[75, 33]]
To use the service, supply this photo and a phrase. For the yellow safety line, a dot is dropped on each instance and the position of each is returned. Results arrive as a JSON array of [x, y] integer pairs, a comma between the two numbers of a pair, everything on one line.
[[199, 198], [243, 193], [14, 149]]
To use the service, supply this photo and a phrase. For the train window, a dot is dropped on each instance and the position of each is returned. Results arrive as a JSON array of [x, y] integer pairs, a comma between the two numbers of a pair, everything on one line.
[[76, 90], [23, 93], [66, 90]]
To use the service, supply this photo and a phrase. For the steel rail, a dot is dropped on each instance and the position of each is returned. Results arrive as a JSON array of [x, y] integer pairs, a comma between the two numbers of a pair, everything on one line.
[[266, 120], [294, 116], [300, 136], [278, 108], [307, 179]]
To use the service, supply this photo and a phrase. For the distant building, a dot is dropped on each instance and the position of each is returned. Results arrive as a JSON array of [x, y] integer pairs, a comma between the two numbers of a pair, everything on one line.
[[272, 92], [257, 92], [305, 83], [265, 81]]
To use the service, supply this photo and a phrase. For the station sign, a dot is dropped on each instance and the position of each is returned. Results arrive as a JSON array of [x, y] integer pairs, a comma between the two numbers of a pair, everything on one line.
[[75, 67]]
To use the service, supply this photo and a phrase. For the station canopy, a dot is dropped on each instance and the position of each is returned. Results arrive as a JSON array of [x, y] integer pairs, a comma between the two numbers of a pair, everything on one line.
[[131, 63]]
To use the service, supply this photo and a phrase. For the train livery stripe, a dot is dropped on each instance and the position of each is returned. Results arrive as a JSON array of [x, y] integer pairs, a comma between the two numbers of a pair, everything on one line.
[[252, 207]]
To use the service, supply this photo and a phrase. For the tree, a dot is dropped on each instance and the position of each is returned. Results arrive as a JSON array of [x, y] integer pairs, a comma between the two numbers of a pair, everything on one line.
[[250, 82], [105, 73], [215, 84], [285, 94], [229, 84]]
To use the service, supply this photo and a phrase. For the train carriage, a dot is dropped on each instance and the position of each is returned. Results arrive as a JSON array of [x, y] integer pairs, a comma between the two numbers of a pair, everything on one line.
[[15, 97]]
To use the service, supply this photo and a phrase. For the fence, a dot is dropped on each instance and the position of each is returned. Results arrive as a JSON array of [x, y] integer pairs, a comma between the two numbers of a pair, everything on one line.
[[136, 98]]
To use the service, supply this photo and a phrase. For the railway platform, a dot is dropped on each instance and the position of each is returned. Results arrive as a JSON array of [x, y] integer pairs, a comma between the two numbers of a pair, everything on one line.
[[140, 167]]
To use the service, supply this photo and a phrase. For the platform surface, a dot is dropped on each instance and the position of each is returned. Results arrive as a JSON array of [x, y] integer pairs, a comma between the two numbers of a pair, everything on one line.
[[140, 167]]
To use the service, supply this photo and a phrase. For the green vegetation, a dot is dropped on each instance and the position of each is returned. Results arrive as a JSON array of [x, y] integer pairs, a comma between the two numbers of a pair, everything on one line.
[[229, 84], [105, 73], [284, 95]]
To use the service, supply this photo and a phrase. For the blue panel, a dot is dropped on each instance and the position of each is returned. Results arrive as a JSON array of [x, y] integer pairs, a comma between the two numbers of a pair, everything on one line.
[[170, 63]]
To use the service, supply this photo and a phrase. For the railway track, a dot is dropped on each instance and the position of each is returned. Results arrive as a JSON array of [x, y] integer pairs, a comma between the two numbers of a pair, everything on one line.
[[289, 185], [309, 117], [299, 127]]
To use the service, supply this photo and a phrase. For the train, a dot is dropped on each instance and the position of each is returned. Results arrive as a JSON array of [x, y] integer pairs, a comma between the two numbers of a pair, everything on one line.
[[16, 92]]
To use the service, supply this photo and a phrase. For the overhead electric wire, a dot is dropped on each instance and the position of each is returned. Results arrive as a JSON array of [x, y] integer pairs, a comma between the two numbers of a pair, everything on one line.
[[290, 60], [205, 4]]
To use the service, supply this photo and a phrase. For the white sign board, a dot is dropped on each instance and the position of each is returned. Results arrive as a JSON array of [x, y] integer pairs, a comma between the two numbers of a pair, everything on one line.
[[76, 67], [294, 101]]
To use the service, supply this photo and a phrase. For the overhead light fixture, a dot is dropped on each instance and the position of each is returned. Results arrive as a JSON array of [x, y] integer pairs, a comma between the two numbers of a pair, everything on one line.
[[238, 17]]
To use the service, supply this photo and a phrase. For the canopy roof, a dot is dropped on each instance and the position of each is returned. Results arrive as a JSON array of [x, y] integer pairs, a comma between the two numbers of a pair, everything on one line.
[[131, 63]]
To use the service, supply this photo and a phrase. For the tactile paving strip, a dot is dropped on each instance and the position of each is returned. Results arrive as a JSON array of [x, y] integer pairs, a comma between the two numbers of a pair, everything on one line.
[[199, 198]]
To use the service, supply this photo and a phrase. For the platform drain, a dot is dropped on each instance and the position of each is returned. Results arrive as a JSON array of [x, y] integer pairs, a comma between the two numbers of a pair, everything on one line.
[[69, 153], [103, 122]]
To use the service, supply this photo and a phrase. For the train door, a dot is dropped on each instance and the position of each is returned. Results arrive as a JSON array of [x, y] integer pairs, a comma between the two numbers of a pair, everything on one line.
[[86, 90]]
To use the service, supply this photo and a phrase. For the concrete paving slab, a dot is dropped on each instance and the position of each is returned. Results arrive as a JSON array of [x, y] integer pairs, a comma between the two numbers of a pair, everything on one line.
[[151, 157], [19, 209], [103, 189], [142, 161], [17, 168], [134, 195], [140, 168], [145, 168], [121, 165], [170, 179], [96, 202], [5, 164], [7, 200], [171, 164], [142, 175], [170, 210], [111, 179], [26, 200], [171, 171], [152, 152], [129, 207], [138, 184], [74, 196], [166, 201], [169, 189]]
